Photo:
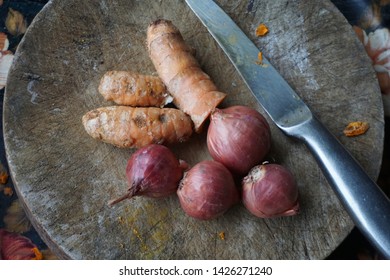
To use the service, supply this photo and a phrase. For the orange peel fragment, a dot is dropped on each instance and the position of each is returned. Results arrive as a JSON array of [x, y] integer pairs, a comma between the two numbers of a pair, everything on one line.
[[261, 30], [356, 128], [221, 235]]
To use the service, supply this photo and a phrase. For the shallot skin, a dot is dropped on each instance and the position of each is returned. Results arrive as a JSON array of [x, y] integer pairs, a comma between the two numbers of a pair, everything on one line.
[[14, 246], [270, 190], [207, 190], [239, 137], [152, 171]]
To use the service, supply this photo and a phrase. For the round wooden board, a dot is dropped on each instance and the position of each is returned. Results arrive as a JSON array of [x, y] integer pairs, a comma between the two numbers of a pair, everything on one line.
[[64, 178]]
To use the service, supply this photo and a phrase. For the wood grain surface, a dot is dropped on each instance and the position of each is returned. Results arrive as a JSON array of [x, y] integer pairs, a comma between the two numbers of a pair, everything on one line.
[[65, 178]]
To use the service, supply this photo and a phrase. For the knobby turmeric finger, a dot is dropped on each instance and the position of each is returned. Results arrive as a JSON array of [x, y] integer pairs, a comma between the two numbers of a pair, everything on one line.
[[135, 127], [193, 90], [128, 88]]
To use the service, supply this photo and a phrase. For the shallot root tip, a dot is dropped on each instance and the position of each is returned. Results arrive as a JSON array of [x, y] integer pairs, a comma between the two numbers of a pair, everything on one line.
[[112, 202], [293, 211]]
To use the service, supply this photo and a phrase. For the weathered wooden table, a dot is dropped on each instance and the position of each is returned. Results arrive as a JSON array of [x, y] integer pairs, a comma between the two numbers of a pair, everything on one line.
[[65, 179]]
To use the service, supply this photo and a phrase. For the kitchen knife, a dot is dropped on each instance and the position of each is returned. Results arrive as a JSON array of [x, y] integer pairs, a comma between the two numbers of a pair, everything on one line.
[[365, 202]]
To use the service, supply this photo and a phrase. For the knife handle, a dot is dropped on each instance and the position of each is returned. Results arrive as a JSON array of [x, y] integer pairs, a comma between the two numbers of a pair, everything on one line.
[[365, 202]]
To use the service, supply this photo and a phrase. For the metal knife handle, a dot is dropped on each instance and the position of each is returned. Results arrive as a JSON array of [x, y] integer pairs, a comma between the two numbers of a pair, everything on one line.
[[365, 202]]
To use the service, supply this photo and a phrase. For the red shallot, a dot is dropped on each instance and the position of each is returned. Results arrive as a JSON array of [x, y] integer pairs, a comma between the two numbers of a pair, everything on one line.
[[14, 246], [152, 171], [270, 190], [239, 137], [207, 190]]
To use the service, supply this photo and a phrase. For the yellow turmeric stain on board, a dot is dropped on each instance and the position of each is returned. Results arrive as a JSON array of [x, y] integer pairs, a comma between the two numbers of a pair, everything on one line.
[[138, 235], [160, 232], [149, 226]]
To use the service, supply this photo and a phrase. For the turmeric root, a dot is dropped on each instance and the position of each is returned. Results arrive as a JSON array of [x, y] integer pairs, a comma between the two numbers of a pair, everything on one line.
[[193, 90], [135, 127], [127, 88]]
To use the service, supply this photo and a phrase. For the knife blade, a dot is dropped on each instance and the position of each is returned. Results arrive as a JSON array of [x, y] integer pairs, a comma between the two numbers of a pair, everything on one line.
[[362, 198]]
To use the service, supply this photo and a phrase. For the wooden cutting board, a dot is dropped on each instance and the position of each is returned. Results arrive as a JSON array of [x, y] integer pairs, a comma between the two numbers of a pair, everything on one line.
[[64, 178]]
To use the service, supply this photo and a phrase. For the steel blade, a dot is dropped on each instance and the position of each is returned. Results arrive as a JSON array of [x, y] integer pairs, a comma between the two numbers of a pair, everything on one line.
[[276, 96]]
